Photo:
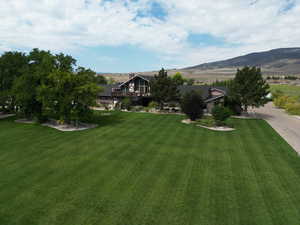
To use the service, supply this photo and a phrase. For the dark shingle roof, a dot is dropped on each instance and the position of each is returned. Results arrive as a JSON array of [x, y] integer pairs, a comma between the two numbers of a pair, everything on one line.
[[203, 89]]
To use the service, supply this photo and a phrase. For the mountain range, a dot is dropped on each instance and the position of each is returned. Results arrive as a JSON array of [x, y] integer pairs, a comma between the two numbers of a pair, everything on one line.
[[281, 61]]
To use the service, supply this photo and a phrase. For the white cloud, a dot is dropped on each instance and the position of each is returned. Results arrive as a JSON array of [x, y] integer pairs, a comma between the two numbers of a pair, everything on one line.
[[57, 25]]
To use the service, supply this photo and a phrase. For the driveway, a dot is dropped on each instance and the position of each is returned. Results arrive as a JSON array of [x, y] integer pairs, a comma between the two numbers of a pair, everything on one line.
[[286, 125]]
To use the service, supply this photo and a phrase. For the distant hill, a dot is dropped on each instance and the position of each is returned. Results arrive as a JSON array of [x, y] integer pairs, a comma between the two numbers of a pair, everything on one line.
[[284, 60]]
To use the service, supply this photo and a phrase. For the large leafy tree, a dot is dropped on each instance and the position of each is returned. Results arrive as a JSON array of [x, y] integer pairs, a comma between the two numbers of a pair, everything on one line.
[[40, 65], [192, 105], [163, 88], [27, 87], [12, 66], [81, 90], [249, 88]]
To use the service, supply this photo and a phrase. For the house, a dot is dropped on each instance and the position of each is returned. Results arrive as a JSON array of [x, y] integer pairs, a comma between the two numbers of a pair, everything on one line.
[[137, 87]]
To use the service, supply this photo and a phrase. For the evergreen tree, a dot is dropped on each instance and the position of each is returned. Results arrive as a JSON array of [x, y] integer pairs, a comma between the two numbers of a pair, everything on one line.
[[163, 88], [249, 88], [192, 105]]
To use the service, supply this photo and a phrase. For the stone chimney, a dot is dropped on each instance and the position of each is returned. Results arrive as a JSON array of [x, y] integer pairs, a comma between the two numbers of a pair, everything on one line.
[[131, 75]]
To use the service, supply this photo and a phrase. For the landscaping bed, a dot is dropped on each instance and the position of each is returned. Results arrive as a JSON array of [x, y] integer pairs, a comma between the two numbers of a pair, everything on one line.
[[209, 123]]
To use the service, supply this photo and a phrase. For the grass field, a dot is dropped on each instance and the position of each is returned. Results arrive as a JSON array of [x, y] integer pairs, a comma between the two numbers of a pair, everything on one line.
[[138, 169], [290, 90]]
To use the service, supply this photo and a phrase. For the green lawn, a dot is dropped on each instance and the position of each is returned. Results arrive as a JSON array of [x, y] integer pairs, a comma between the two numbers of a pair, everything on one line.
[[290, 90], [143, 169]]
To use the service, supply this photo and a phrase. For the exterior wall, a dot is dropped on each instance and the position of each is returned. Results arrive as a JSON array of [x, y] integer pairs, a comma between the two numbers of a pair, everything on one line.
[[136, 85]]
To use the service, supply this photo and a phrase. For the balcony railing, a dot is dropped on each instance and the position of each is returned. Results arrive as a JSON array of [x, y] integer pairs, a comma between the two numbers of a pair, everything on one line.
[[130, 94]]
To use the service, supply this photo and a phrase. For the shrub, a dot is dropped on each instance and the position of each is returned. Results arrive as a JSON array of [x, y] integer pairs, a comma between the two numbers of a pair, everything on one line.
[[220, 114], [153, 105], [126, 103], [283, 100], [138, 108], [293, 108], [192, 105], [207, 121]]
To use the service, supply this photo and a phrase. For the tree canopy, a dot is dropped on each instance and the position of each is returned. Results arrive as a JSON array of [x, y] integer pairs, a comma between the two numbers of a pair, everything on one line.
[[12, 66], [178, 79], [249, 88], [41, 84], [163, 88], [192, 105]]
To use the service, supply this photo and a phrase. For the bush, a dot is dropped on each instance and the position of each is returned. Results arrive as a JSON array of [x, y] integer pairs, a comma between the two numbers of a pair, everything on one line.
[[220, 114], [207, 121], [293, 108], [283, 100], [192, 105], [126, 103], [138, 108], [153, 105]]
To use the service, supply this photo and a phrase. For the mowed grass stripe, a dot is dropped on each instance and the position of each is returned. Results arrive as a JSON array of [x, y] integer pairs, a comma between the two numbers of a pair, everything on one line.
[[133, 198], [286, 208], [62, 174], [115, 186], [60, 189], [223, 193], [267, 179], [138, 168], [252, 206]]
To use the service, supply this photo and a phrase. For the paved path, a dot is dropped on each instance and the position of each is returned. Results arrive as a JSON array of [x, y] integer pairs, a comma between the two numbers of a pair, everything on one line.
[[286, 125]]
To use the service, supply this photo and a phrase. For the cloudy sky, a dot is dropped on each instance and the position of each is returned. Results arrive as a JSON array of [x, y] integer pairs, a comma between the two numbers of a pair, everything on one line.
[[142, 35]]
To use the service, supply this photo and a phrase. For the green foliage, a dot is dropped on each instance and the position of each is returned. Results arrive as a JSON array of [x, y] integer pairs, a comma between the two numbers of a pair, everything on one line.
[[190, 81], [249, 88], [207, 121], [178, 79], [192, 105], [293, 108], [163, 88], [283, 100], [43, 84], [100, 79], [223, 83], [111, 80], [126, 103], [153, 105], [12, 66], [220, 114]]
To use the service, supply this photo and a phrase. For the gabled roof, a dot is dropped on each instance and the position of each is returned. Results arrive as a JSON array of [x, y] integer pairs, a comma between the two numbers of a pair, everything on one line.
[[144, 77]]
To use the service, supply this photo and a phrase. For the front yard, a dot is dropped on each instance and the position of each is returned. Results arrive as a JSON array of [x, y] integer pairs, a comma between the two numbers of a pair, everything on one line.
[[140, 168]]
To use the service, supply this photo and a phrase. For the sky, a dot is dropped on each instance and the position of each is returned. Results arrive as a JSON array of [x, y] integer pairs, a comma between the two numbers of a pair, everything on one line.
[[144, 35]]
